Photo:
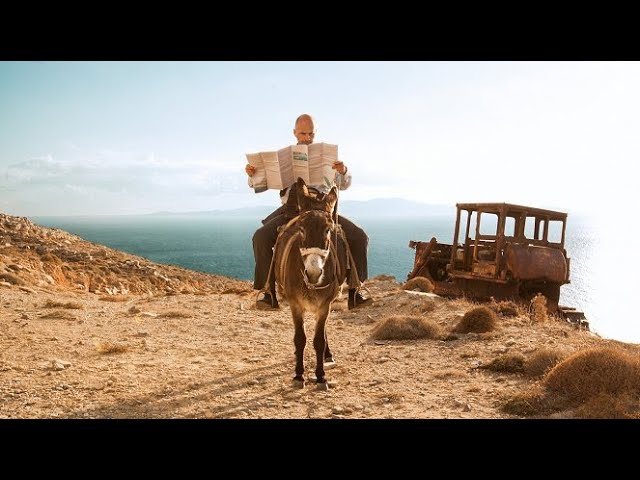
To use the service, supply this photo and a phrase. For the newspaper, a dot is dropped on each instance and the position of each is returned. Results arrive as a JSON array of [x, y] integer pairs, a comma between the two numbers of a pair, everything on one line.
[[280, 169]]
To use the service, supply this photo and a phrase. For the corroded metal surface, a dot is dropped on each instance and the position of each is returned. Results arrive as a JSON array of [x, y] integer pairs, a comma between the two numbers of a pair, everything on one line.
[[499, 250], [530, 262]]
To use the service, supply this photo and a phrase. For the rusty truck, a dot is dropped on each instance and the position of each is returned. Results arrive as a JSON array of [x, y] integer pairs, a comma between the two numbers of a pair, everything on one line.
[[499, 250]]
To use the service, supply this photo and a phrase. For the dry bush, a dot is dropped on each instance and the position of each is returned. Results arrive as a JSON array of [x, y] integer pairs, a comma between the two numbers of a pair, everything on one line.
[[477, 320], [110, 347], [403, 327], [505, 308], [114, 298], [525, 404], [538, 309], [543, 360], [509, 362], [423, 305], [599, 382], [12, 279], [68, 305], [175, 314], [594, 371], [422, 284], [607, 405], [59, 314]]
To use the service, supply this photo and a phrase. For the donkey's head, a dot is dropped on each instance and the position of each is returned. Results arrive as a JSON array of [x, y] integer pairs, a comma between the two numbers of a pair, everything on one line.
[[316, 225], [312, 201]]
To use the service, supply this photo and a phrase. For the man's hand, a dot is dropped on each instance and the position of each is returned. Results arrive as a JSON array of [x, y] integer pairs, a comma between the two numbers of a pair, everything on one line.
[[250, 169], [340, 167]]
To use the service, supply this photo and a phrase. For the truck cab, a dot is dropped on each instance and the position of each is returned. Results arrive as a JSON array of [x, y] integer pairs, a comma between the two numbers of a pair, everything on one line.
[[499, 250]]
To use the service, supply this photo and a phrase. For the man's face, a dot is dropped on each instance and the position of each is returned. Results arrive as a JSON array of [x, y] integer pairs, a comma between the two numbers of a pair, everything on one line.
[[304, 132]]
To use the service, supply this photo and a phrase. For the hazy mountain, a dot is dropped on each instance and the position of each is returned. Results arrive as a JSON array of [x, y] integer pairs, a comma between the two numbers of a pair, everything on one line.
[[378, 207]]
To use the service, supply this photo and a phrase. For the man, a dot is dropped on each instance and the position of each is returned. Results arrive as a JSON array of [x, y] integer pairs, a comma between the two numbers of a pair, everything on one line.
[[265, 237]]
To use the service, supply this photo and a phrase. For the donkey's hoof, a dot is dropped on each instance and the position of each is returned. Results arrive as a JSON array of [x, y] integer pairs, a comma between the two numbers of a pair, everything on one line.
[[322, 386], [297, 382], [329, 364]]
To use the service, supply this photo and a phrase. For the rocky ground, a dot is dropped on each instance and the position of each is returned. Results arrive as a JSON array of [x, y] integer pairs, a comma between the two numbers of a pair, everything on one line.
[[89, 332]]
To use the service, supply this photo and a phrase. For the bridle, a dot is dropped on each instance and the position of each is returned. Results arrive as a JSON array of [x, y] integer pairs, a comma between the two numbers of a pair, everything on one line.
[[299, 234]]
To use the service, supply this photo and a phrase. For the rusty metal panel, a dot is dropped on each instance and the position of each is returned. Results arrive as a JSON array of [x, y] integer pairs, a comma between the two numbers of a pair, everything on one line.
[[484, 269], [528, 262]]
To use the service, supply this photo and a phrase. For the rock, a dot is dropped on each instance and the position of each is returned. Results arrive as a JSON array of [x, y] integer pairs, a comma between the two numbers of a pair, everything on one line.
[[56, 366]]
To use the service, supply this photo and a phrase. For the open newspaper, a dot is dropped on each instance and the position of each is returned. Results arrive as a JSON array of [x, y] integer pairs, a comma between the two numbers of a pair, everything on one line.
[[280, 169]]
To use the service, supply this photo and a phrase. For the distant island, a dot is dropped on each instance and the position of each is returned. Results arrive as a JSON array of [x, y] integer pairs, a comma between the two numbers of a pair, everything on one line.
[[378, 207]]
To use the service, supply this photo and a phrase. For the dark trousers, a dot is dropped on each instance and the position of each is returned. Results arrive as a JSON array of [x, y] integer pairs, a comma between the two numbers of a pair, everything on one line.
[[265, 238]]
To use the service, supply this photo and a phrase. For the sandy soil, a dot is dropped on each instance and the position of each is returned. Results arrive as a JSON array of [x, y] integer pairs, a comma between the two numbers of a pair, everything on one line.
[[140, 340]]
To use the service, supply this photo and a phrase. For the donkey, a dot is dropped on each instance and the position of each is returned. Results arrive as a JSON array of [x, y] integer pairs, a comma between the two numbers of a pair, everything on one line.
[[308, 273]]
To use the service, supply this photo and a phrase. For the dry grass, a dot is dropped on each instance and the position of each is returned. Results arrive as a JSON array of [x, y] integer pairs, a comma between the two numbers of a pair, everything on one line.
[[51, 258], [422, 284], [506, 309], [509, 362], [59, 314], [176, 314], [538, 309], [403, 327], [543, 360], [594, 371], [236, 290], [599, 382], [449, 373], [477, 320], [12, 279], [606, 405], [114, 298], [469, 354], [68, 305], [110, 347], [425, 305], [525, 404]]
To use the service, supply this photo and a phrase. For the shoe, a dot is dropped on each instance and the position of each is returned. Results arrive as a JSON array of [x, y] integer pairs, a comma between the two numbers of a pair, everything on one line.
[[356, 300], [267, 302]]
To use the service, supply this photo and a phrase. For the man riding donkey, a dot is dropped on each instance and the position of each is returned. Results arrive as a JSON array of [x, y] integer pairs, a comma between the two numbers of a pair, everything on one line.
[[265, 237]]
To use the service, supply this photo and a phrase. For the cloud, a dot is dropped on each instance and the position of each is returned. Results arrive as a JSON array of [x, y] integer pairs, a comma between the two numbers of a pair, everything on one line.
[[117, 180]]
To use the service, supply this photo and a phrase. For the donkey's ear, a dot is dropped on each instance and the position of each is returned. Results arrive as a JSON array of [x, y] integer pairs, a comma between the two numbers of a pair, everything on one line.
[[302, 195], [302, 186], [332, 199]]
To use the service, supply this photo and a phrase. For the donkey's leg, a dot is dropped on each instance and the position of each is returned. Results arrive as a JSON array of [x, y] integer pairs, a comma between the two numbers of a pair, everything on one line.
[[329, 360], [320, 341], [299, 340], [328, 356]]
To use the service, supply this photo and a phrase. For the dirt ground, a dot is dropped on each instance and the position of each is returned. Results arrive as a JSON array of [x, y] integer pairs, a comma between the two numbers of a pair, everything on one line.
[[197, 347]]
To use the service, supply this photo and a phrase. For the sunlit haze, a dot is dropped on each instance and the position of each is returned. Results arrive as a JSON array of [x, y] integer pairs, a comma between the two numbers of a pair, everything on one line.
[[82, 138]]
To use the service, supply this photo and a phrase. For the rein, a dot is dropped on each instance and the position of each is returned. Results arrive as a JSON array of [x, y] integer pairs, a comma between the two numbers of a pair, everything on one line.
[[289, 245]]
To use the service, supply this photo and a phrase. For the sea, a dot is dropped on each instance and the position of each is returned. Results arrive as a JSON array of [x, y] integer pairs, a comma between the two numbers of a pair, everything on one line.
[[222, 245]]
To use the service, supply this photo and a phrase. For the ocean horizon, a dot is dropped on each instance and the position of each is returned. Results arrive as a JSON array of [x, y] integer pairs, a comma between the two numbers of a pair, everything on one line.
[[221, 244]]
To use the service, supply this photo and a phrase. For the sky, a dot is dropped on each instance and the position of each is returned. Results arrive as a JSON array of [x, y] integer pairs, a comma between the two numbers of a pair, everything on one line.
[[86, 138], [110, 138]]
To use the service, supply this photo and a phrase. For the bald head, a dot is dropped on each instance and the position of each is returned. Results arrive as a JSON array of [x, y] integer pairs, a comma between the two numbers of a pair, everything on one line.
[[304, 129]]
